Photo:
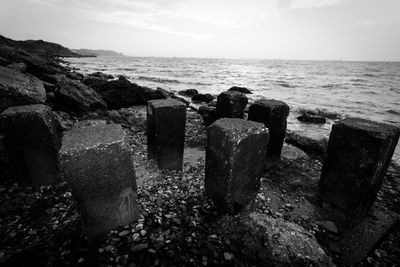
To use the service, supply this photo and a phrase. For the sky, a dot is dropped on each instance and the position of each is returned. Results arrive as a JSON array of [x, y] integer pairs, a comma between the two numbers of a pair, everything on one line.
[[265, 29]]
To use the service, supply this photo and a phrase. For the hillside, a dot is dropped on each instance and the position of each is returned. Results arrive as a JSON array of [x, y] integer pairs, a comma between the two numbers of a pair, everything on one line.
[[96, 53]]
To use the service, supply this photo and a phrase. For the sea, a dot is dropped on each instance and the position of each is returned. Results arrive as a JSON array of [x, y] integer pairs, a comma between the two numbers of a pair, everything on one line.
[[337, 89]]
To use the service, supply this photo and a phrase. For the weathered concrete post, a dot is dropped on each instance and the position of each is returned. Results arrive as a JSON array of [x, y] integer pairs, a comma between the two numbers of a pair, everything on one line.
[[231, 104], [359, 152], [273, 114], [32, 144], [166, 121], [235, 157], [98, 166]]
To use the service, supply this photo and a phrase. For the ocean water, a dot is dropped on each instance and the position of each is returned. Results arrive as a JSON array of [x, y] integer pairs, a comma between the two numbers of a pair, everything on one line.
[[369, 90]]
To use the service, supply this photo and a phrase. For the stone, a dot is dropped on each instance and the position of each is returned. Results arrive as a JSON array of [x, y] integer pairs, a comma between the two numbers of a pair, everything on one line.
[[18, 66], [188, 92], [273, 114], [243, 90], [74, 96], [94, 82], [32, 144], [293, 153], [98, 166], [18, 89], [208, 113], [272, 242], [101, 75], [202, 98], [309, 142], [166, 121], [311, 119], [235, 156], [358, 156], [231, 104]]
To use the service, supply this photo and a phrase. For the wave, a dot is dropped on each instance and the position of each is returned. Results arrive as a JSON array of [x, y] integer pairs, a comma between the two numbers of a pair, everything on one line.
[[159, 80], [358, 80], [285, 84], [329, 85], [370, 75], [392, 111]]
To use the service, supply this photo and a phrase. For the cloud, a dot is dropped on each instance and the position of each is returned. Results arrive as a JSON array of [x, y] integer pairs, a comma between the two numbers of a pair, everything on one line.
[[299, 4]]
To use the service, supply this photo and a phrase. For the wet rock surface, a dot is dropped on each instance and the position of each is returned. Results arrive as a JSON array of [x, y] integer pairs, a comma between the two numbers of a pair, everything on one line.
[[17, 88], [243, 90], [202, 98], [315, 145], [311, 119], [231, 104]]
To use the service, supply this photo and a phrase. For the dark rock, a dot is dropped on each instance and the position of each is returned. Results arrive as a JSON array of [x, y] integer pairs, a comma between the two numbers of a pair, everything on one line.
[[121, 93], [208, 113], [74, 96], [328, 226], [314, 145], [273, 114], [166, 120], [21, 67], [129, 117], [75, 75], [98, 166], [359, 153], [32, 144], [64, 121], [188, 92], [235, 156], [239, 89], [49, 87], [17, 88], [162, 93], [311, 119], [101, 75], [213, 103], [203, 98], [4, 162], [231, 104], [293, 153], [94, 82], [272, 242]]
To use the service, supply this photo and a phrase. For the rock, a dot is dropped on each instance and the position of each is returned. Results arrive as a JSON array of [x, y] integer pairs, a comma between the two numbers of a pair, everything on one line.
[[239, 89], [235, 156], [75, 75], [49, 87], [64, 122], [272, 242], [358, 156], [310, 143], [17, 89], [231, 104], [164, 94], [32, 144], [208, 113], [140, 247], [74, 96], [183, 100], [273, 114], [290, 152], [166, 121], [21, 67], [124, 233], [98, 166], [4, 162], [328, 226], [94, 82], [129, 117], [121, 93], [202, 98], [101, 75], [311, 119], [188, 92]]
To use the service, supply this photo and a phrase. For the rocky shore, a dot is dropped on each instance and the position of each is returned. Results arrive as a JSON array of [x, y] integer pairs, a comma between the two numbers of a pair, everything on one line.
[[178, 224]]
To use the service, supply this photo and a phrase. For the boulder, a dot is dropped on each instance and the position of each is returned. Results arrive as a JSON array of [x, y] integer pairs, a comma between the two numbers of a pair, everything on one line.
[[311, 119], [235, 156], [94, 82], [188, 92], [128, 117], [32, 144], [358, 156], [101, 75], [231, 104], [202, 98], [239, 89], [21, 67], [75, 75], [98, 166], [272, 242], [166, 121], [121, 93], [209, 114], [308, 142], [74, 96], [273, 114], [17, 88]]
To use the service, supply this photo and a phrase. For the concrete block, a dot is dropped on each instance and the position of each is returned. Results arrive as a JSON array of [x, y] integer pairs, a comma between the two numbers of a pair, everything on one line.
[[97, 164], [235, 156], [359, 152], [231, 104], [166, 121], [32, 144], [273, 114]]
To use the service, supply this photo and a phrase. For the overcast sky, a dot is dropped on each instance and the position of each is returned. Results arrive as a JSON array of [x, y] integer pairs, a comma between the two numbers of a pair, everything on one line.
[[271, 29]]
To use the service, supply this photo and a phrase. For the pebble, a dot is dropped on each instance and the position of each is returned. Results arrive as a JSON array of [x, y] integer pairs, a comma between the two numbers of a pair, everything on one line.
[[143, 232], [135, 236], [228, 256], [124, 233], [139, 226], [152, 251], [140, 247]]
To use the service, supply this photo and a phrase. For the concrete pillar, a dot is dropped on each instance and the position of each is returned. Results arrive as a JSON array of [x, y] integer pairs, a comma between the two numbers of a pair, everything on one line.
[[235, 156], [32, 143], [97, 164], [166, 121], [231, 104], [359, 152], [273, 114]]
